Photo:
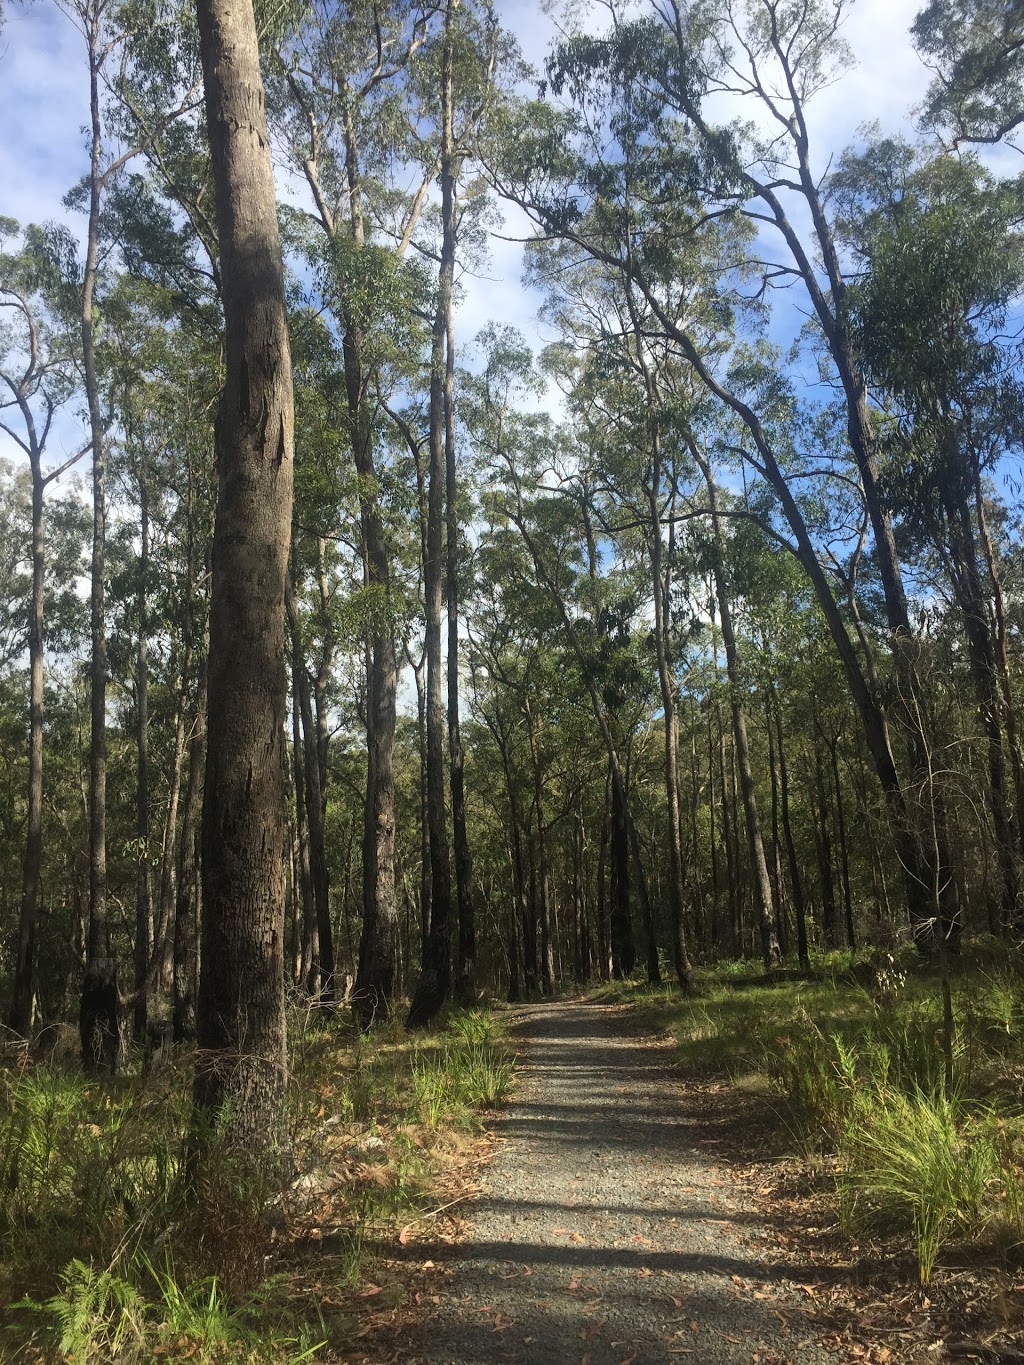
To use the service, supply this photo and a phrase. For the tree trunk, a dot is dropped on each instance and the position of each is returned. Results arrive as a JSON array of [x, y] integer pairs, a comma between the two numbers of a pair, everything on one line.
[[832, 743], [23, 1002], [434, 984], [823, 844], [373, 994], [661, 591], [143, 892], [466, 955], [762, 887], [604, 931], [164, 947], [1002, 656], [795, 879], [623, 951], [241, 1082], [548, 980], [186, 937], [98, 1021], [310, 794], [305, 905], [778, 884], [981, 653]]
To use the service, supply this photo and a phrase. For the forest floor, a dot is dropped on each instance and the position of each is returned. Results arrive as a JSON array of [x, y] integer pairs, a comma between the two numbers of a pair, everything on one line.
[[631, 1211], [670, 1179], [611, 1226]]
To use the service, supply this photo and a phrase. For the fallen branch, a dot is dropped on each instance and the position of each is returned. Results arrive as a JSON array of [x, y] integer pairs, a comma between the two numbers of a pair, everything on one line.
[[403, 1236]]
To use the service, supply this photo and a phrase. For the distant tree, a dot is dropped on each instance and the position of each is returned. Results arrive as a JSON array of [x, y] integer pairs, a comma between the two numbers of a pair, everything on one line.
[[37, 369]]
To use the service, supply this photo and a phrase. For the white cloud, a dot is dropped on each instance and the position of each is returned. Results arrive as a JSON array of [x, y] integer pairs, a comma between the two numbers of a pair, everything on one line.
[[44, 105]]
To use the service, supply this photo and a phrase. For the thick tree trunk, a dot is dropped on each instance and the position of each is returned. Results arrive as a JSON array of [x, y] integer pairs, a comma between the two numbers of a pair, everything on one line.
[[241, 1080]]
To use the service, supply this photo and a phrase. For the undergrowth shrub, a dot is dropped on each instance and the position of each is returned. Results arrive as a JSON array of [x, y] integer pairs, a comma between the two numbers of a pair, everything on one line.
[[912, 1161], [97, 1317], [856, 1054], [118, 1248]]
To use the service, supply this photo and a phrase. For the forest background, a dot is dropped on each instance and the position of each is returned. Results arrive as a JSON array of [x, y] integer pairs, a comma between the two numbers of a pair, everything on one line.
[[679, 627]]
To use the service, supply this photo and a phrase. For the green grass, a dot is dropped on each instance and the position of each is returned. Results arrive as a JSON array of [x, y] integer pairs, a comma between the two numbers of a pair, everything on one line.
[[854, 1054], [102, 1255]]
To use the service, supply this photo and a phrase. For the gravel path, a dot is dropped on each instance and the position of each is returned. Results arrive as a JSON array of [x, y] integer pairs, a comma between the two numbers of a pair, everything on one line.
[[603, 1235]]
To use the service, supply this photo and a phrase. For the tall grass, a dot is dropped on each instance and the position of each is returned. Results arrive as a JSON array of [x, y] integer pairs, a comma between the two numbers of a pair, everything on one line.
[[109, 1255], [861, 1072]]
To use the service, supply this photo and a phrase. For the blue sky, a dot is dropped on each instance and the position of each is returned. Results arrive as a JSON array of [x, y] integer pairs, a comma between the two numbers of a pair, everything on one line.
[[43, 107]]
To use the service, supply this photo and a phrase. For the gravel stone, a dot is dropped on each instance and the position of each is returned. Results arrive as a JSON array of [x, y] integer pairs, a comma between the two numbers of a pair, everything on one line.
[[603, 1234]]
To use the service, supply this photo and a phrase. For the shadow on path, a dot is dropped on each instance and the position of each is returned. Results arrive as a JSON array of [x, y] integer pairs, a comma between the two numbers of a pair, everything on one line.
[[602, 1235]]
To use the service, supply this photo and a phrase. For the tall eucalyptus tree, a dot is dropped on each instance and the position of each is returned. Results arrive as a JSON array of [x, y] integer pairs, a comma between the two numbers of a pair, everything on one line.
[[242, 1078]]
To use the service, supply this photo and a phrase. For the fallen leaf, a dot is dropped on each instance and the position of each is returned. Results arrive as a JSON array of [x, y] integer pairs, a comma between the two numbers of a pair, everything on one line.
[[369, 1291], [677, 1302], [592, 1329]]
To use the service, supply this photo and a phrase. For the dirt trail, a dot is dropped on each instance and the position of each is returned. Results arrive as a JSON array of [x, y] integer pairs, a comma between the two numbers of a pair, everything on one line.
[[603, 1234]]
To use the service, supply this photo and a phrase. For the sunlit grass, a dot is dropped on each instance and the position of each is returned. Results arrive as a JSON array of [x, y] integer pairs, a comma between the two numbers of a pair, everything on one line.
[[110, 1257], [854, 1054]]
